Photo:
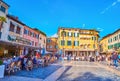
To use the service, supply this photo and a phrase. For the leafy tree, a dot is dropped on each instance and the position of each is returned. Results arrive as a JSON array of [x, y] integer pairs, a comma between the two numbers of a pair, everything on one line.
[[2, 20]]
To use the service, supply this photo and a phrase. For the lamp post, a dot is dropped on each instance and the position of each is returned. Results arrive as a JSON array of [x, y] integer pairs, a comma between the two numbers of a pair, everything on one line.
[[63, 33]]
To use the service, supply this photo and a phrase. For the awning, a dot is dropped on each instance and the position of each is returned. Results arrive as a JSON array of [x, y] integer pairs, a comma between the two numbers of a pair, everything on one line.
[[11, 38]]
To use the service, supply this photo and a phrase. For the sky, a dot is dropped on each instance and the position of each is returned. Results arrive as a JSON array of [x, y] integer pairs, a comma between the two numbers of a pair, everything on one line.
[[48, 15]]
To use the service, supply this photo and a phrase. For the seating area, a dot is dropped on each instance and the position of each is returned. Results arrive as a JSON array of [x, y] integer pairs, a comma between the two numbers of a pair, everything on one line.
[[17, 63]]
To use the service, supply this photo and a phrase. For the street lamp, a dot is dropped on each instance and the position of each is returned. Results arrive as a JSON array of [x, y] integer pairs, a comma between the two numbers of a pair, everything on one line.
[[63, 33]]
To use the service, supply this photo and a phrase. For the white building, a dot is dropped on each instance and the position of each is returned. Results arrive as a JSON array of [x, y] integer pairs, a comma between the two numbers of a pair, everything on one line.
[[4, 27]]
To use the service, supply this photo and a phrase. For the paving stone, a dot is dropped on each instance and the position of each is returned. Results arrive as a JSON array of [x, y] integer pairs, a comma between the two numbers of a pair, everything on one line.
[[78, 73]]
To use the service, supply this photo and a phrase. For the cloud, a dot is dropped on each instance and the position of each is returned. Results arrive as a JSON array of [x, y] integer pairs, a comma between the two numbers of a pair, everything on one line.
[[100, 29], [55, 35], [112, 5], [118, 0]]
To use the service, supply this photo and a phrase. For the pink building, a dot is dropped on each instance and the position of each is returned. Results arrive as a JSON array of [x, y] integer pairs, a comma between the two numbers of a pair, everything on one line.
[[31, 35]]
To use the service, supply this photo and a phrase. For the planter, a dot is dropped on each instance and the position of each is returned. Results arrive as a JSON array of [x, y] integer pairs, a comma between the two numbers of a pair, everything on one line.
[[2, 69]]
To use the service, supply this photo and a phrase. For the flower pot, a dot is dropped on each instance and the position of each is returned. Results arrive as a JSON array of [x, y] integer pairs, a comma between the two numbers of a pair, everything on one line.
[[2, 69]]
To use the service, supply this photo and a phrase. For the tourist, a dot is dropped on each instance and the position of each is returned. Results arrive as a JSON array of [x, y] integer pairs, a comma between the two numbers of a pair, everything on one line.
[[29, 65], [115, 59]]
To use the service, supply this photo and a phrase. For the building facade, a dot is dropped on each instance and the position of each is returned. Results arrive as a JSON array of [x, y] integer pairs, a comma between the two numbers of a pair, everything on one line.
[[15, 37], [42, 39], [111, 42], [3, 12], [77, 42], [104, 45], [52, 44], [114, 41], [3, 8]]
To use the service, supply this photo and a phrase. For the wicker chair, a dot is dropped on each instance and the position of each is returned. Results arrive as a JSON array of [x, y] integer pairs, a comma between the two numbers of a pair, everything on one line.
[[10, 68], [18, 65]]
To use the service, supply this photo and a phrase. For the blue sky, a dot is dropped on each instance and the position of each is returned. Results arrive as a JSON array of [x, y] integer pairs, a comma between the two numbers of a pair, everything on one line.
[[48, 15]]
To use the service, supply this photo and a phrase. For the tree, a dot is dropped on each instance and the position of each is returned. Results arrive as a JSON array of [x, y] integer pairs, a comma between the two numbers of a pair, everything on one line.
[[2, 20]]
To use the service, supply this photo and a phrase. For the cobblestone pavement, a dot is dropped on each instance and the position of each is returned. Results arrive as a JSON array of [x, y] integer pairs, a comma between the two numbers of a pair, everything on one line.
[[107, 64], [67, 71], [87, 71], [37, 74]]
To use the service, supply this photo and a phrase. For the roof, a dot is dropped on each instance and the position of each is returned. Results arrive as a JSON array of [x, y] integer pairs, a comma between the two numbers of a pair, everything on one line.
[[110, 34], [39, 31], [15, 19], [77, 29]]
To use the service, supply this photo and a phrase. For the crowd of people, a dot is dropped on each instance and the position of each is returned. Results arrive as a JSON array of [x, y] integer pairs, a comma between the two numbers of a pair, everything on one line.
[[29, 62], [22, 62], [112, 59]]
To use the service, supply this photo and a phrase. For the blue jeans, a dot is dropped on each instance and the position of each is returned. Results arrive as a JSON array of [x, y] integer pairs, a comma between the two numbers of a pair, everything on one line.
[[115, 62]]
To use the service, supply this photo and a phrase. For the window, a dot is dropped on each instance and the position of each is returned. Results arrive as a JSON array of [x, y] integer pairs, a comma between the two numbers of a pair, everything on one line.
[[69, 43], [115, 38], [12, 27], [3, 9], [63, 33], [28, 32], [25, 31], [76, 34], [33, 43], [62, 42], [111, 39], [70, 34], [56, 46], [18, 30], [48, 40], [32, 34], [37, 36], [76, 43], [93, 38], [50, 46]]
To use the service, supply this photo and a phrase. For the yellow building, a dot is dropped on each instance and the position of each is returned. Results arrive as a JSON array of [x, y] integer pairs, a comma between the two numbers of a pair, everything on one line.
[[110, 42], [104, 44], [77, 42]]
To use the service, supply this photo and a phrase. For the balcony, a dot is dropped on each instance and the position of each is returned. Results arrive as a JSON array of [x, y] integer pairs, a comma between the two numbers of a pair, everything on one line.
[[0, 34]]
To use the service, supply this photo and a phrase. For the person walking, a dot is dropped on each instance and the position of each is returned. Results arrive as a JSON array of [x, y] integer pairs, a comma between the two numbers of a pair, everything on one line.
[[115, 59]]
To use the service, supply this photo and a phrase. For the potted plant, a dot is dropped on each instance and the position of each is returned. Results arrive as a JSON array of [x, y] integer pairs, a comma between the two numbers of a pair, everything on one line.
[[2, 69]]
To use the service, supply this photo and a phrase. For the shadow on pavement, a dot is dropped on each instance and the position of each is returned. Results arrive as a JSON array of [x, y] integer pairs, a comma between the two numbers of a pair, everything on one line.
[[88, 76]]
